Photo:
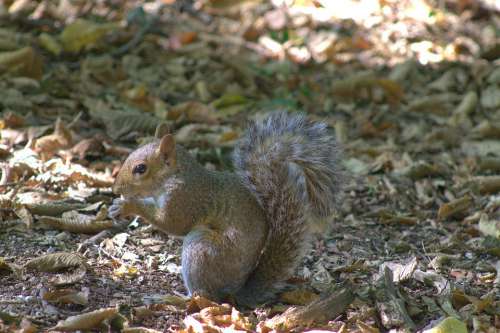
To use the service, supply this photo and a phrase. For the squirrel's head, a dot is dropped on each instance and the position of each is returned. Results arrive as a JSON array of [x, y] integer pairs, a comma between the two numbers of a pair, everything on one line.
[[144, 169]]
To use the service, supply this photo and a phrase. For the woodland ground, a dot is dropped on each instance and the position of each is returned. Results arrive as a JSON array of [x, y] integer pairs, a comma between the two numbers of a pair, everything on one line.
[[411, 89]]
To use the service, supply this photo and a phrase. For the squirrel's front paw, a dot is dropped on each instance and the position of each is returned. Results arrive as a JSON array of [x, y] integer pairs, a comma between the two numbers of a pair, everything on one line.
[[117, 209]]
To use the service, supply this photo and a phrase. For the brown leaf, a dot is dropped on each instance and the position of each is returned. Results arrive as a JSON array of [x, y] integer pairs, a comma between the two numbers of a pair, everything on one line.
[[194, 324], [198, 303], [364, 85], [86, 321], [48, 145], [13, 120], [241, 322], [8, 268], [454, 207], [24, 62], [193, 112], [486, 184], [56, 262], [25, 215], [75, 222], [91, 147], [53, 207], [139, 330], [66, 296]]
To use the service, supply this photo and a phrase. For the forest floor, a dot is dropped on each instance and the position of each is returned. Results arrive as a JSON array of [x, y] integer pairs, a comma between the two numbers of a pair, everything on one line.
[[411, 90]]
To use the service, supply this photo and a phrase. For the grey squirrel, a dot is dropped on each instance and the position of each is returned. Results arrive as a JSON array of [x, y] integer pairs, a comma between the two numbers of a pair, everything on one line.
[[244, 232]]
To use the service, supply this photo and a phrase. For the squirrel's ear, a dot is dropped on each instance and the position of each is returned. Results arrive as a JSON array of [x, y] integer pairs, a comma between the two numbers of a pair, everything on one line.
[[167, 147], [162, 130]]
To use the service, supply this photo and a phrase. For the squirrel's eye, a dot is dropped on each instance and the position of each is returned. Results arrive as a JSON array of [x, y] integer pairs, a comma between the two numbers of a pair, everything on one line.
[[139, 169]]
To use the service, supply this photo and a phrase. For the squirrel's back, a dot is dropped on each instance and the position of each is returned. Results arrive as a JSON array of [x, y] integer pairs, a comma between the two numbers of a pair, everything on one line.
[[291, 165]]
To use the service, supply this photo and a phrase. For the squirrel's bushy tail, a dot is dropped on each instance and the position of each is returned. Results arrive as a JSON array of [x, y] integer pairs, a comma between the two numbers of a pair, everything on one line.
[[291, 165]]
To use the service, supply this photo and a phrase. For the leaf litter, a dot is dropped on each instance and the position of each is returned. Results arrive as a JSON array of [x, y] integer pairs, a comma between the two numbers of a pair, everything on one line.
[[411, 89]]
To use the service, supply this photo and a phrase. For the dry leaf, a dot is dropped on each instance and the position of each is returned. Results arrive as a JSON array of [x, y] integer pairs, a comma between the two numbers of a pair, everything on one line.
[[56, 262], [198, 303], [489, 227], [83, 34], [195, 325], [50, 43], [241, 322], [24, 62], [88, 148], [53, 207], [48, 145], [174, 300], [86, 321], [126, 271], [139, 330], [25, 215], [27, 327], [454, 207], [486, 184], [439, 105], [13, 120], [193, 112], [75, 221], [448, 325], [66, 296], [8, 268]]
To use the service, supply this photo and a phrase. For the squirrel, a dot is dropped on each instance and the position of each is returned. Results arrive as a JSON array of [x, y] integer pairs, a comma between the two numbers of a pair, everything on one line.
[[244, 232]]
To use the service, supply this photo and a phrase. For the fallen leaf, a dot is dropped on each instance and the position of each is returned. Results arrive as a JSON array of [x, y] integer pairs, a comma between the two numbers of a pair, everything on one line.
[[56, 262], [77, 222], [50, 43], [83, 34], [448, 325], [24, 62], [66, 296], [85, 321], [454, 207], [489, 227]]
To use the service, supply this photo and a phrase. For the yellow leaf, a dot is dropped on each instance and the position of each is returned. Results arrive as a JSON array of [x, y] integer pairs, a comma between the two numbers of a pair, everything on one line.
[[126, 271], [49, 43], [449, 325], [82, 34], [228, 100]]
